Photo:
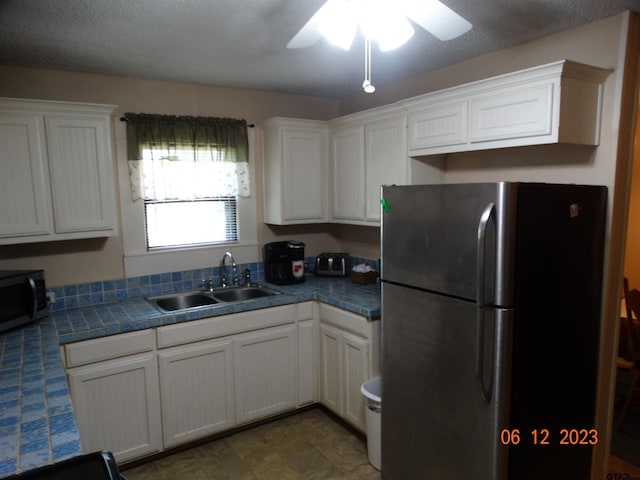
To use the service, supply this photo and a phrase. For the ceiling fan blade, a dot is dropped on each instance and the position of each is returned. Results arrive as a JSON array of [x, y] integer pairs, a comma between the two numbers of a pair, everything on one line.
[[309, 34], [436, 18]]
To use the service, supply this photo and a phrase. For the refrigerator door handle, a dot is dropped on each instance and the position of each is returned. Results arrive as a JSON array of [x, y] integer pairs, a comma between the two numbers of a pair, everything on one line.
[[485, 390]]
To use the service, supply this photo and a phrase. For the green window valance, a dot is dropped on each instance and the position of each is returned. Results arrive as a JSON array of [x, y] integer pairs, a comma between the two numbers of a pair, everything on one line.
[[227, 136], [184, 157]]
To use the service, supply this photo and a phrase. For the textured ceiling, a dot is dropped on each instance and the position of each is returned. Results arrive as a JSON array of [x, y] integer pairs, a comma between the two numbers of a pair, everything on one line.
[[242, 43]]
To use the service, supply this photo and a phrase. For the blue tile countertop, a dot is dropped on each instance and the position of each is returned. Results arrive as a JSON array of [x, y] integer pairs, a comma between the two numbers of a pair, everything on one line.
[[37, 423]]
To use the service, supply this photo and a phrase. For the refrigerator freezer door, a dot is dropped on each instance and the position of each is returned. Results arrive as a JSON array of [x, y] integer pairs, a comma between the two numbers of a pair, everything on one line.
[[436, 424], [430, 238]]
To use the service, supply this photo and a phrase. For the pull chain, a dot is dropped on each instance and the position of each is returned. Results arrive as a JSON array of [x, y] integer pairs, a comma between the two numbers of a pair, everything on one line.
[[366, 85]]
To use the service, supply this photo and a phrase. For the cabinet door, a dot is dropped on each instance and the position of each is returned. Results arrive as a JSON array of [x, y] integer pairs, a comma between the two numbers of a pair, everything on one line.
[[386, 160], [265, 372], [304, 157], [81, 170], [355, 354], [522, 112], [117, 406], [307, 378], [196, 387], [347, 173], [331, 375], [24, 190], [438, 126]]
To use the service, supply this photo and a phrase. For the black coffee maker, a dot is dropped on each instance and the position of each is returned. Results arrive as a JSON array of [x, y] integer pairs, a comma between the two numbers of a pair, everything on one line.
[[284, 262]]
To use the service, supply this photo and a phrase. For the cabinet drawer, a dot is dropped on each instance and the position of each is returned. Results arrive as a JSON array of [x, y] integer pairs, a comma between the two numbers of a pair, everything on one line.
[[522, 112], [107, 348], [346, 320], [225, 325]]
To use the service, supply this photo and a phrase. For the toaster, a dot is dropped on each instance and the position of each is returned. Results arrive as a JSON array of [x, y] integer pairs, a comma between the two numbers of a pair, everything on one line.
[[333, 264]]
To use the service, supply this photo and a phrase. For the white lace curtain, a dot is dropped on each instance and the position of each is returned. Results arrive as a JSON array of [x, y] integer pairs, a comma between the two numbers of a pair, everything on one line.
[[183, 158]]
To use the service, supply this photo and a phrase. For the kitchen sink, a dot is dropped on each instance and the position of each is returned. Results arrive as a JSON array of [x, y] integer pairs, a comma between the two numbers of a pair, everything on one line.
[[238, 294], [202, 298], [181, 301]]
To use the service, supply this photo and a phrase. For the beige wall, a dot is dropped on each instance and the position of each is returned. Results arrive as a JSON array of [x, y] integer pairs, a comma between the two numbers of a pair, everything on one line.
[[600, 44], [594, 44], [632, 249], [597, 44], [90, 260]]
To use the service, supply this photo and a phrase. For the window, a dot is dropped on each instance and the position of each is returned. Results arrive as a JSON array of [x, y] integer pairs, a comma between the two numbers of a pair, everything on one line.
[[189, 172], [176, 223]]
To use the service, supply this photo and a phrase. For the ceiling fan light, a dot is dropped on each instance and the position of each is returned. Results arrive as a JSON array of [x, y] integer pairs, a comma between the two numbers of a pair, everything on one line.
[[382, 22], [435, 17], [396, 34], [339, 23]]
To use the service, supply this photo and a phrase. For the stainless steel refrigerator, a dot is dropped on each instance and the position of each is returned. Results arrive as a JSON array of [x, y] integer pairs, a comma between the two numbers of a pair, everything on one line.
[[491, 298]]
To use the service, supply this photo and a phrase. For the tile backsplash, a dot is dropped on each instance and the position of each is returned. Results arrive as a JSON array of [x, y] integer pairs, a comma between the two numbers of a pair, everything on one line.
[[109, 291]]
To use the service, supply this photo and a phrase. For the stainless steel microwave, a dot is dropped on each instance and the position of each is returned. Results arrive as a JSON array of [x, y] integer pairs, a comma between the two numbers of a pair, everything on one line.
[[23, 297]]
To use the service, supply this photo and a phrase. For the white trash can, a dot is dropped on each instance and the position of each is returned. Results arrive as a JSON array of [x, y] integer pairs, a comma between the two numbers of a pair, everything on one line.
[[372, 390]]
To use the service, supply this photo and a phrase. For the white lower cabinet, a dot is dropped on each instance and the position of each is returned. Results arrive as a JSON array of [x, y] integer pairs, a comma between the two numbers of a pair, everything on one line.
[[307, 353], [331, 376], [265, 372], [355, 358], [344, 369], [348, 357], [196, 387], [117, 406], [138, 393]]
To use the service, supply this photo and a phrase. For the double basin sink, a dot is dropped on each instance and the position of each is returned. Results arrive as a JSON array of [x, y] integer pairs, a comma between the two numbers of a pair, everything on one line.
[[202, 298]]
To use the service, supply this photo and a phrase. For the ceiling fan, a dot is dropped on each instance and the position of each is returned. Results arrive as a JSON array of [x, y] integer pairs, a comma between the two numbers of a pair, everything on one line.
[[383, 21]]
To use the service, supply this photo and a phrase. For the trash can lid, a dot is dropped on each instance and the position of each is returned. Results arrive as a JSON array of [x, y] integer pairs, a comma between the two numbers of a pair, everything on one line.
[[372, 389]]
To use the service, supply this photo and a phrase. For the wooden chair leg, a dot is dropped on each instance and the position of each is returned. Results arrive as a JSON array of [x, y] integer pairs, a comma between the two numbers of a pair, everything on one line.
[[630, 395]]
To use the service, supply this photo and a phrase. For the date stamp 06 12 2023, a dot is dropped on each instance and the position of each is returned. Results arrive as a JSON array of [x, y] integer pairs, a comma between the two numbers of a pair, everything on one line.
[[542, 436]]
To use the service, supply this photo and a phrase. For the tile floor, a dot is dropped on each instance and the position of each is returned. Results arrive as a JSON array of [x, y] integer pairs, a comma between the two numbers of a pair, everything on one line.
[[307, 445]]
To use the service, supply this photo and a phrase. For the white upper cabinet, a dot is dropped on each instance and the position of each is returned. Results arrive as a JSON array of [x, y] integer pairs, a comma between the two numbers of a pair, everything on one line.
[[438, 126], [295, 171], [386, 161], [367, 151], [516, 113], [81, 171], [24, 186], [317, 171], [58, 181], [347, 173], [555, 103]]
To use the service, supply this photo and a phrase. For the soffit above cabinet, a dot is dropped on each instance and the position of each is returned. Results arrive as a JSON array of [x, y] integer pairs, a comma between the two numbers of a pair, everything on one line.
[[555, 103], [54, 106]]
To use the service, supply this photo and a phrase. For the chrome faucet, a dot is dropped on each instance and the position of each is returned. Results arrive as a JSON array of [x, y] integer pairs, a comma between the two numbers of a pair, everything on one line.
[[234, 270], [208, 284]]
